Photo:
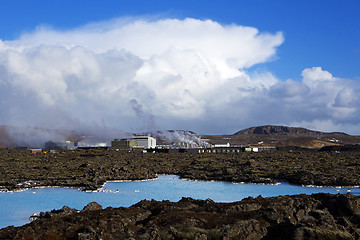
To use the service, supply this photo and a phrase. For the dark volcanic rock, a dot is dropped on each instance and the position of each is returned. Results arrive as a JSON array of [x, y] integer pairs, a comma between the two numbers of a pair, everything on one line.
[[319, 216], [19, 169], [92, 206], [342, 148]]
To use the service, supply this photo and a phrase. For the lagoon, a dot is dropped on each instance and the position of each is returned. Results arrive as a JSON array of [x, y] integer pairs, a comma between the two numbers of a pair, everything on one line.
[[17, 207]]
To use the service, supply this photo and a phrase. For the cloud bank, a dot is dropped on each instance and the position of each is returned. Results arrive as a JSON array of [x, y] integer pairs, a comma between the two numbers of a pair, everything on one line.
[[141, 75]]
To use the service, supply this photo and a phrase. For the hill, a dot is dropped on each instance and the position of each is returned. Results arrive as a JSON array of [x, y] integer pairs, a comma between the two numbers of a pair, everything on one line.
[[284, 130], [284, 136]]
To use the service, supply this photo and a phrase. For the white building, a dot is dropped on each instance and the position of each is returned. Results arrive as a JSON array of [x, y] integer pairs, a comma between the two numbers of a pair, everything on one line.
[[222, 145], [145, 142], [139, 142]]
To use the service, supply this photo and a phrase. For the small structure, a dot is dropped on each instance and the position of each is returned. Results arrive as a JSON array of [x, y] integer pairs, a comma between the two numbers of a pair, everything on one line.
[[260, 149], [221, 145], [35, 150], [233, 149]]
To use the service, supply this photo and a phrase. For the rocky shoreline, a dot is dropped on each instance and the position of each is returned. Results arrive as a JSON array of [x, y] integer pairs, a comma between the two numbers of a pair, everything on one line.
[[317, 216], [90, 169]]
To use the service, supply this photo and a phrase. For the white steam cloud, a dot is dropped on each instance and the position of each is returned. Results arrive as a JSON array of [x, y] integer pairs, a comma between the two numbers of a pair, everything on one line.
[[136, 74]]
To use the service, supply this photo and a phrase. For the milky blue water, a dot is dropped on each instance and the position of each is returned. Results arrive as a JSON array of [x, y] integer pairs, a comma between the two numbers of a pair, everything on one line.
[[17, 207]]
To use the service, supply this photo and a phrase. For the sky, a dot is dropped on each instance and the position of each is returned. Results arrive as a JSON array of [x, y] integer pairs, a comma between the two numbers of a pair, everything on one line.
[[212, 67]]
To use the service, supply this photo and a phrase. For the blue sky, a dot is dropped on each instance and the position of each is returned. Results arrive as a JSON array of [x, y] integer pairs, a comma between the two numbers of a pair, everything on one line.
[[308, 42], [324, 32]]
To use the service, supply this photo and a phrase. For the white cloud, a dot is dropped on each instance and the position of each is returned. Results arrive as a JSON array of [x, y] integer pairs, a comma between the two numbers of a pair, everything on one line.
[[322, 101], [135, 73], [315, 75], [230, 46], [348, 97], [173, 69]]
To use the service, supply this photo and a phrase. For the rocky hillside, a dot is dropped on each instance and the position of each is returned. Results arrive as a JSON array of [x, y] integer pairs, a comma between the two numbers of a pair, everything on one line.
[[284, 136], [319, 216], [283, 130]]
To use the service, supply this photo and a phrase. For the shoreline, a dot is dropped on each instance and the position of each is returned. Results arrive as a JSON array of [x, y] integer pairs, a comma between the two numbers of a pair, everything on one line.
[[100, 189], [20, 170], [316, 216]]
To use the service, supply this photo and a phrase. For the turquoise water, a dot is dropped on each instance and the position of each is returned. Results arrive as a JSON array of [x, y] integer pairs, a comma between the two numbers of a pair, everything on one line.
[[17, 207]]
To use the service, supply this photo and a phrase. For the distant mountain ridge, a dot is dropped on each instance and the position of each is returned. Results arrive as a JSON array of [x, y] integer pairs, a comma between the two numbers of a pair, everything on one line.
[[267, 135], [284, 130]]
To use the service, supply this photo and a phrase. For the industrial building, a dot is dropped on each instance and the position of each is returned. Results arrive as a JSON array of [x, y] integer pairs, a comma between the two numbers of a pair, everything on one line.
[[148, 144], [139, 142]]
